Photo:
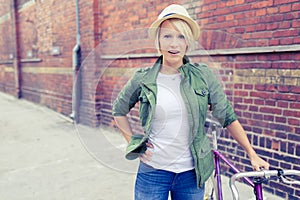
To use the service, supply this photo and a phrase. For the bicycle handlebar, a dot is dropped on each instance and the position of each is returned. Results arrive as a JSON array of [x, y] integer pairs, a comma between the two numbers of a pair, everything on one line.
[[265, 173]]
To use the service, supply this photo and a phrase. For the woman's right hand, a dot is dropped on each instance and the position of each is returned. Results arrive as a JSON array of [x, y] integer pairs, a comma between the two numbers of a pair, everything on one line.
[[145, 157]]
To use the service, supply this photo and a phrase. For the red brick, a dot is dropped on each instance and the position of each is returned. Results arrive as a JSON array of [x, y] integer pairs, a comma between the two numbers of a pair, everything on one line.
[[274, 42], [288, 97], [295, 89], [260, 27], [230, 3], [239, 30], [296, 40], [246, 58], [291, 113], [281, 119], [278, 2], [293, 121], [284, 65], [261, 12], [286, 33], [287, 41], [296, 24], [285, 8], [268, 117], [250, 28], [291, 16], [296, 6], [262, 4], [241, 93], [253, 108], [261, 35], [229, 17], [241, 7], [271, 88], [287, 56], [272, 10], [270, 102], [272, 18], [248, 86], [222, 11], [295, 105], [221, 4], [239, 16], [284, 25], [269, 57]]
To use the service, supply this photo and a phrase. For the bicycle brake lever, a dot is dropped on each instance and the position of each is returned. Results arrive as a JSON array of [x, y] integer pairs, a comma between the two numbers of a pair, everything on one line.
[[285, 180]]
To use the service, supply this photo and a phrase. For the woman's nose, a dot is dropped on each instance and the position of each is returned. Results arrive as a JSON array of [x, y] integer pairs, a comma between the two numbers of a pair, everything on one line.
[[174, 41]]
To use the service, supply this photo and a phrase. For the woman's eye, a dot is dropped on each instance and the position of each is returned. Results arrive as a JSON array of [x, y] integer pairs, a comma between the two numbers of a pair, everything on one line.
[[167, 36], [181, 37]]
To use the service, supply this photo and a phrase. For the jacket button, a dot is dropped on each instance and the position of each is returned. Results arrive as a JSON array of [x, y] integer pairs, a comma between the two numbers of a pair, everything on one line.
[[203, 92]]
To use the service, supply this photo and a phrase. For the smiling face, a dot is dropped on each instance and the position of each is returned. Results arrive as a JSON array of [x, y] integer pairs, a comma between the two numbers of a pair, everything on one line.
[[173, 45], [174, 39]]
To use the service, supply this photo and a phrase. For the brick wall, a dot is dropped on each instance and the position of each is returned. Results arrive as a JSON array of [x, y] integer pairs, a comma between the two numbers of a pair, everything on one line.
[[43, 26], [257, 23], [6, 45]]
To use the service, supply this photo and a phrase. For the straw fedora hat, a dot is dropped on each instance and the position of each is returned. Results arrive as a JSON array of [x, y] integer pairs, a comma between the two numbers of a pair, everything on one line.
[[178, 12]]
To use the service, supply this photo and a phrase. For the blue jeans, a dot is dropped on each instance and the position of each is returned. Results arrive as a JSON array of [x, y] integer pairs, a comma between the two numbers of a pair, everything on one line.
[[154, 184]]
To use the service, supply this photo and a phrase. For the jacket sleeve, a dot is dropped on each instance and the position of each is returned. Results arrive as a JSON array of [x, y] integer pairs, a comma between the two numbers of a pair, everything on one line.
[[128, 96], [220, 106]]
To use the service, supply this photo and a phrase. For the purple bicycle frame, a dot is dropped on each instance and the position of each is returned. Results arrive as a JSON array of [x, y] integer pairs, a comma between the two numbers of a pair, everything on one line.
[[257, 185]]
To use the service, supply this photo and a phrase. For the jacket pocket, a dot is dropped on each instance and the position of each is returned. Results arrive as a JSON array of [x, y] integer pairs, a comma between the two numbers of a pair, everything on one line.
[[205, 160], [201, 91], [202, 95], [205, 148]]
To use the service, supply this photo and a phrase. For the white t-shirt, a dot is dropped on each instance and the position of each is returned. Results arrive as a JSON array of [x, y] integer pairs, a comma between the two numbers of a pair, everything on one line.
[[170, 128]]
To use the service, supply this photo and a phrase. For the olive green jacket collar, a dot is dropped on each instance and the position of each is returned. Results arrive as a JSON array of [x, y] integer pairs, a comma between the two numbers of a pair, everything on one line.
[[153, 71]]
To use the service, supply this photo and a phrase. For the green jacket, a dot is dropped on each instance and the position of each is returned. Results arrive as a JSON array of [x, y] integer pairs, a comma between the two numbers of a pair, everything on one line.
[[199, 88]]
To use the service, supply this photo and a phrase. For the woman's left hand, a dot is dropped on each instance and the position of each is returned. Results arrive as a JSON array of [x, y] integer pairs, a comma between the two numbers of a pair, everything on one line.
[[258, 163]]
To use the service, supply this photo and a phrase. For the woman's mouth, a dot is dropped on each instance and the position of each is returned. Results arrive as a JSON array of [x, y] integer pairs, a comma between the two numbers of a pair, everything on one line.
[[174, 52]]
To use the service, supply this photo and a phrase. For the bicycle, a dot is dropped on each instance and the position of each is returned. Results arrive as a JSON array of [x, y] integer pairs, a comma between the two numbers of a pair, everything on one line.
[[259, 177]]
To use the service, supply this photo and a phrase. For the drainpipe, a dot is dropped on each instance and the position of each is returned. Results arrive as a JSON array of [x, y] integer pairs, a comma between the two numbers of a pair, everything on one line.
[[17, 60], [76, 58]]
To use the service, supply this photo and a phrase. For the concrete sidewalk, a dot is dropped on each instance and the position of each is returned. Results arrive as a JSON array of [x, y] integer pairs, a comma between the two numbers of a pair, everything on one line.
[[43, 155]]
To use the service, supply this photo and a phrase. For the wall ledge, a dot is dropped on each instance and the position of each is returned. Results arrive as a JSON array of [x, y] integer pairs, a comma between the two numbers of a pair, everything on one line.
[[216, 52]]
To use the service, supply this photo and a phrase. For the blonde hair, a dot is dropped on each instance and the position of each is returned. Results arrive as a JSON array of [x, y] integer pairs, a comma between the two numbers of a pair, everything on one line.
[[183, 28]]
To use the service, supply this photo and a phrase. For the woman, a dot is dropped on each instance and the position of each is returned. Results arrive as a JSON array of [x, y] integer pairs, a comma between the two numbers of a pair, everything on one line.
[[174, 96]]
